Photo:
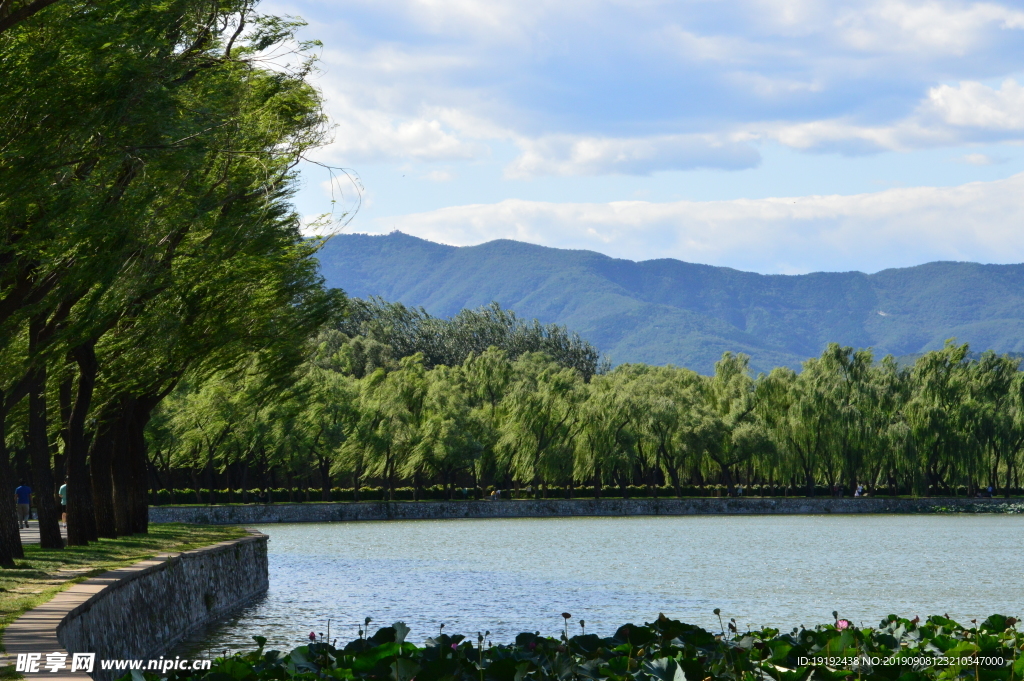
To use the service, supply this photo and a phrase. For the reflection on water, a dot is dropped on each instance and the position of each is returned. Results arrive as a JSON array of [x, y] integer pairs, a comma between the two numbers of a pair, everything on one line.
[[514, 575]]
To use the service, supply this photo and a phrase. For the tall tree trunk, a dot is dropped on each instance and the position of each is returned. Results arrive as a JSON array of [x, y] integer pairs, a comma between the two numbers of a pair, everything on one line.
[[120, 473], [325, 477], [726, 478], [90, 518], [673, 474], [39, 451], [10, 536], [209, 475], [138, 475], [1009, 472], [389, 474], [60, 461], [80, 511], [100, 459], [195, 485]]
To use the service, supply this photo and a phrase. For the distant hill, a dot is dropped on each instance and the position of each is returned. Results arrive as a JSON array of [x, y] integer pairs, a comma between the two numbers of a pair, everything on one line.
[[672, 312]]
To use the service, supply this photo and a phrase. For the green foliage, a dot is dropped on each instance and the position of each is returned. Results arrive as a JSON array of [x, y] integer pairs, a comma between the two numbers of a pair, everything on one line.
[[407, 331], [146, 236], [950, 426], [663, 650]]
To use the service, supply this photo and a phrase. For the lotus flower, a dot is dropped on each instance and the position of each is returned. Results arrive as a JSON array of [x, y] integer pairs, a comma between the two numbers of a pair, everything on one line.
[[312, 636], [843, 624]]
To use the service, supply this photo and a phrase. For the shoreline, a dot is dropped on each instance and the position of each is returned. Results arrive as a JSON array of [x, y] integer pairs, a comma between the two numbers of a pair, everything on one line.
[[349, 511]]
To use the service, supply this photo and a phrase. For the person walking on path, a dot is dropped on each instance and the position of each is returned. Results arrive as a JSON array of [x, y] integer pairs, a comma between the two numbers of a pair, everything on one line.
[[24, 498], [63, 492]]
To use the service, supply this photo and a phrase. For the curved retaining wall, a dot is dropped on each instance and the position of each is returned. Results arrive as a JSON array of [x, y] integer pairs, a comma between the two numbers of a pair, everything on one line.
[[436, 510], [145, 613]]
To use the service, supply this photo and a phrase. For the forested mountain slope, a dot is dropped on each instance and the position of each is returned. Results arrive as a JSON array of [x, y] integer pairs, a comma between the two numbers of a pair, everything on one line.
[[668, 311]]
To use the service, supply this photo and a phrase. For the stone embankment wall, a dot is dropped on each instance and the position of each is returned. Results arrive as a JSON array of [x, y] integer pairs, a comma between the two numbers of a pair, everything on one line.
[[143, 615], [549, 508]]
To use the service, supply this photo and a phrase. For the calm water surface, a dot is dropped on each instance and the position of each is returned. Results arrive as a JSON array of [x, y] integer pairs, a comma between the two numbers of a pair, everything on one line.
[[517, 575]]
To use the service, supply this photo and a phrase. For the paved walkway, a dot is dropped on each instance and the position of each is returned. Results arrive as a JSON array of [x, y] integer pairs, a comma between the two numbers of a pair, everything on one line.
[[30, 535]]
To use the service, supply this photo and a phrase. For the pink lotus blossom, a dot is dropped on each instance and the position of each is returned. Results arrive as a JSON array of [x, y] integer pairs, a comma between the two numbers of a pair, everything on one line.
[[312, 636], [843, 624]]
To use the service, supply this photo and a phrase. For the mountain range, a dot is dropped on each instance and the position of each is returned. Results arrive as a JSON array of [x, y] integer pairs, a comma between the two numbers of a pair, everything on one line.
[[667, 311]]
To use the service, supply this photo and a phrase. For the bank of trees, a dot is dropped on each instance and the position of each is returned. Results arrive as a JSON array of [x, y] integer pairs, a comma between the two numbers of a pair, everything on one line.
[[949, 424], [146, 160]]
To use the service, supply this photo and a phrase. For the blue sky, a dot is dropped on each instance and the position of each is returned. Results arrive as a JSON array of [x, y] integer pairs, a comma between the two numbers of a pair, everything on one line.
[[767, 135]]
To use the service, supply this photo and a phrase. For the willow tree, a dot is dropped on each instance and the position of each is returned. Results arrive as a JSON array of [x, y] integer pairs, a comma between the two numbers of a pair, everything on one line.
[[145, 218], [995, 384], [324, 418], [842, 378], [606, 440], [391, 410], [894, 455], [936, 416], [488, 377], [668, 415], [536, 442], [728, 431], [447, 436]]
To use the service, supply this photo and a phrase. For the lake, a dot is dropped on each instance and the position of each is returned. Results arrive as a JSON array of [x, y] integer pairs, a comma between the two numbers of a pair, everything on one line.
[[514, 575]]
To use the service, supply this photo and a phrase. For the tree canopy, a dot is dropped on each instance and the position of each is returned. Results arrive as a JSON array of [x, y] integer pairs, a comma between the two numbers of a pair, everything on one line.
[[949, 425], [146, 236]]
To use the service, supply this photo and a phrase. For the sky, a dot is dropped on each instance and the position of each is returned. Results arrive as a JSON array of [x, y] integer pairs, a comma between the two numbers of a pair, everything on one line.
[[776, 136]]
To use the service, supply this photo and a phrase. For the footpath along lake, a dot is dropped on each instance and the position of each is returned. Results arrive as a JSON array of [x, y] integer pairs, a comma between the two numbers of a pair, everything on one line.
[[515, 575]]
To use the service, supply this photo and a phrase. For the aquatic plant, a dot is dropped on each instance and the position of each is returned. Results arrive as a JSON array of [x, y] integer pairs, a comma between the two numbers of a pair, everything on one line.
[[897, 649]]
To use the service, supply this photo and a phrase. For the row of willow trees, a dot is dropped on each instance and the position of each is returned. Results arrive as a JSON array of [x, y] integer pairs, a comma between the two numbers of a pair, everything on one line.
[[147, 157], [500, 418]]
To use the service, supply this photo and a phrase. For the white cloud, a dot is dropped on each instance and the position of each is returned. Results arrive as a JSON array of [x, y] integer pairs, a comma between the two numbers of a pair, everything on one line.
[[948, 116], [947, 27], [661, 86], [373, 135], [897, 227], [982, 159], [576, 155], [972, 104]]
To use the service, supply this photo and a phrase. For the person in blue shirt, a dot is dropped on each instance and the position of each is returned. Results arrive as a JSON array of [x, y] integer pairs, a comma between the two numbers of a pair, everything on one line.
[[24, 497]]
